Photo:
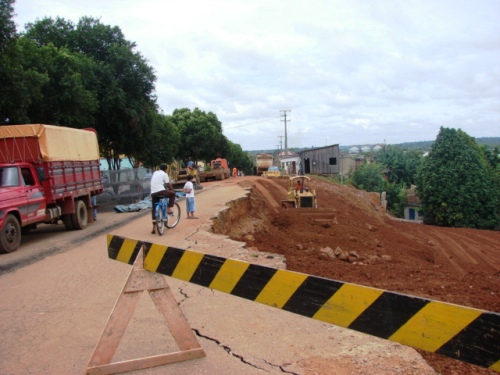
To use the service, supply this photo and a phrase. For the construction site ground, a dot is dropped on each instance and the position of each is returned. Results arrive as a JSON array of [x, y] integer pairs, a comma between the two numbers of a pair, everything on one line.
[[58, 289], [455, 265]]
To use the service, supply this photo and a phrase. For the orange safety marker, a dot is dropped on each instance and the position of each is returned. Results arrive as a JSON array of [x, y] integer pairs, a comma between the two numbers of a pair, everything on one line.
[[138, 281]]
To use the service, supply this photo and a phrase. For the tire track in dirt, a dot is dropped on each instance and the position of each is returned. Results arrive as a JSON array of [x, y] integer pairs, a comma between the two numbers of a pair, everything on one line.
[[463, 251], [265, 187], [485, 247]]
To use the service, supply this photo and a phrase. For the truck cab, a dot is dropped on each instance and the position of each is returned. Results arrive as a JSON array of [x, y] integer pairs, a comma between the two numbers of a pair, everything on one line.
[[22, 202], [219, 163]]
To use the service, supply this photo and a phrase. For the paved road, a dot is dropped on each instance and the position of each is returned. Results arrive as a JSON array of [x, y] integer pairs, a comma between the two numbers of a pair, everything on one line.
[[53, 310]]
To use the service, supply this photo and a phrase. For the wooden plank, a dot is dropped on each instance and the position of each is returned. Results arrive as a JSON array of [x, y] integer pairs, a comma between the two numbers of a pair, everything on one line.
[[138, 281]]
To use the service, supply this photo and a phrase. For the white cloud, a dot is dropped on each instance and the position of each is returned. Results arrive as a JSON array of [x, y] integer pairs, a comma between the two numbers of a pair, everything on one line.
[[351, 72]]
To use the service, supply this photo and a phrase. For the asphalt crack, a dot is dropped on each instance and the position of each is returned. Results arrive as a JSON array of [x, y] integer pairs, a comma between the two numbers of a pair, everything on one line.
[[281, 368], [227, 349]]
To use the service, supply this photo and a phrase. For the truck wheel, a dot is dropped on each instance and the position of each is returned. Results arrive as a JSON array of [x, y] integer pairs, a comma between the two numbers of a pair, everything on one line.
[[68, 223], [79, 218], [10, 237]]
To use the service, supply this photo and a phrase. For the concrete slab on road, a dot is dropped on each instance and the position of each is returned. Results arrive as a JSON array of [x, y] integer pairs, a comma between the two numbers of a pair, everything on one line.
[[54, 311]]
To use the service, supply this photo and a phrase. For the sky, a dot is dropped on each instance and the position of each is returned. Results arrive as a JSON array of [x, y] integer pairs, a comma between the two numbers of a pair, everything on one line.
[[351, 72]]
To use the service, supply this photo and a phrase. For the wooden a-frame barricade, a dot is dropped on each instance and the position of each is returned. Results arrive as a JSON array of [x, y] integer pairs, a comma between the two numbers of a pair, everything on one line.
[[140, 280]]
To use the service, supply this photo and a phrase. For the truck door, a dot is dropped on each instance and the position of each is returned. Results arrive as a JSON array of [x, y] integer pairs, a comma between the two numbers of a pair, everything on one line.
[[35, 197], [12, 193]]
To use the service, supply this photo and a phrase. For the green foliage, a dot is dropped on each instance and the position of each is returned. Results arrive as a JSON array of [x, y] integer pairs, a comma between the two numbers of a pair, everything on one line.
[[401, 166], [7, 25], [57, 32], [67, 97], [202, 139], [84, 75], [239, 159], [21, 84], [492, 155], [163, 143], [457, 185], [369, 177], [396, 198], [201, 135]]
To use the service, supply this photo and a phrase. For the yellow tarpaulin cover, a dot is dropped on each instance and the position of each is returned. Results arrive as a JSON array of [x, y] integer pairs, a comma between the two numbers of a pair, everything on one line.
[[57, 143]]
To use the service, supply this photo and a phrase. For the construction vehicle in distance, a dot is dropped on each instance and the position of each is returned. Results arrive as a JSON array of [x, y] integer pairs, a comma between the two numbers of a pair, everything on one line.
[[301, 197], [219, 170], [183, 173], [263, 162], [301, 193], [273, 171]]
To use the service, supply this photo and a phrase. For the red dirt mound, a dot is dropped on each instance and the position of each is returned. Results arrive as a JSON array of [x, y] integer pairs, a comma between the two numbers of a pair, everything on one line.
[[460, 266]]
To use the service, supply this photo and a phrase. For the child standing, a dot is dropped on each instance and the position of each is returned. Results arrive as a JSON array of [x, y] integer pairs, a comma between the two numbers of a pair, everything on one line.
[[190, 203]]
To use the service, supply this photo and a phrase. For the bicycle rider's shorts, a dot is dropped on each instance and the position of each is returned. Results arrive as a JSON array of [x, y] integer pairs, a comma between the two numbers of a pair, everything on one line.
[[190, 204]]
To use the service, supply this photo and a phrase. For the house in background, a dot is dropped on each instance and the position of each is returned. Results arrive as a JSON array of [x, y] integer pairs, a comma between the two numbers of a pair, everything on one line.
[[413, 210], [322, 160], [354, 150], [290, 165]]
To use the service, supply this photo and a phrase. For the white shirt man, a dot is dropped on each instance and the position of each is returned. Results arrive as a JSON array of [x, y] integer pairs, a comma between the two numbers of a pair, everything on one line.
[[158, 181], [158, 191]]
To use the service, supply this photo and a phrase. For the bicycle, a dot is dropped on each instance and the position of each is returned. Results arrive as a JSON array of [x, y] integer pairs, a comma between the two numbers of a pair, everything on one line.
[[164, 219]]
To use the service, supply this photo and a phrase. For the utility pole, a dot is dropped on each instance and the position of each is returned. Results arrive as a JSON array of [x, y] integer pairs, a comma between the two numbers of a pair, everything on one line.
[[283, 113], [281, 142]]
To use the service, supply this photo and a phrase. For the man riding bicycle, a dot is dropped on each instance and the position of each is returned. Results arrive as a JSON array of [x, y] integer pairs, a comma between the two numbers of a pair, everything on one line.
[[160, 180]]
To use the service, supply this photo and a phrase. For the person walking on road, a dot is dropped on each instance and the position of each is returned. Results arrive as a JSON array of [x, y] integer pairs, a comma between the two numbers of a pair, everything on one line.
[[190, 202], [161, 188]]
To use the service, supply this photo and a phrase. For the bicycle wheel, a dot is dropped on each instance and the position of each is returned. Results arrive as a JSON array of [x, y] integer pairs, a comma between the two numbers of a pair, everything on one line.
[[160, 224], [173, 219]]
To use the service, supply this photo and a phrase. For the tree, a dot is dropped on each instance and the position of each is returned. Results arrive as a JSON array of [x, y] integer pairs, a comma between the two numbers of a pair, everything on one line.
[[68, 97], [396, 198], [20, 85], [120, 82], [239, 159], [7, 25], [456, 184], [58, 32], [201, 135], [401, 166], [163, 143], [492, 155], [369, 177]]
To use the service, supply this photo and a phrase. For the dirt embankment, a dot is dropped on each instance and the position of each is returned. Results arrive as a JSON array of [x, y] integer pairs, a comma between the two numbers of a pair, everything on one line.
[[460, 266]]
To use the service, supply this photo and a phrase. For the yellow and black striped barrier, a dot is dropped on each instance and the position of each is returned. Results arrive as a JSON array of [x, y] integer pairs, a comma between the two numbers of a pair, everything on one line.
[[463, 333]]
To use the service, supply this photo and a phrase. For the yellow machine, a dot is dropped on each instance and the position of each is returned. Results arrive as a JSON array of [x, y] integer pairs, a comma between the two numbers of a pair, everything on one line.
[[273, 171], [178, 175], [301, 193]]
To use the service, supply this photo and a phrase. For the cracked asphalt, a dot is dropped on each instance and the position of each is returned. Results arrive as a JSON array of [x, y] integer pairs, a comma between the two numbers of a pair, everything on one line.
[[58, 290]]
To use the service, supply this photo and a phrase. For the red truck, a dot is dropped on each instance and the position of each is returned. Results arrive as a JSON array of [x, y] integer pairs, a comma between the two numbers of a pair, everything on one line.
[[47, 173]]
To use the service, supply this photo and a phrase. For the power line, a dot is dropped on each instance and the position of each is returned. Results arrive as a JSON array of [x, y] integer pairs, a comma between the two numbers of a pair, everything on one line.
[[252, 123]]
